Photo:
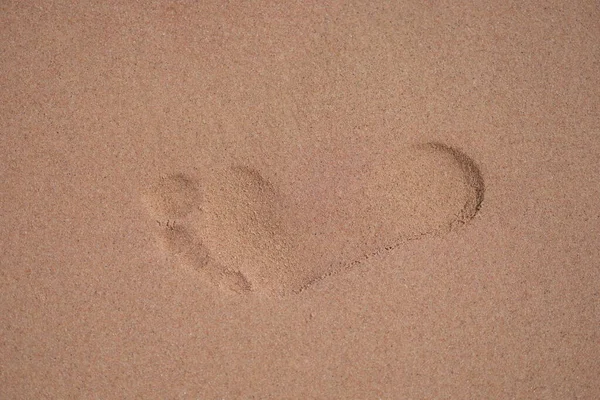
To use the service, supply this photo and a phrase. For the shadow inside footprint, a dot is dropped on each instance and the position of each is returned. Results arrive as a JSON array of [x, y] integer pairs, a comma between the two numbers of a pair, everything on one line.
[[242, 234]]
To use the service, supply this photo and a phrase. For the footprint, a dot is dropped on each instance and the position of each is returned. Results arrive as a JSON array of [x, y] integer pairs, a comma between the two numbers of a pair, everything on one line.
[[243, 234]]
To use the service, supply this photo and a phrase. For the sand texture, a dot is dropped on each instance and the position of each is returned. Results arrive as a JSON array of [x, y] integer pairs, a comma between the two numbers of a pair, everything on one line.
[[299, 200], [239, 232]]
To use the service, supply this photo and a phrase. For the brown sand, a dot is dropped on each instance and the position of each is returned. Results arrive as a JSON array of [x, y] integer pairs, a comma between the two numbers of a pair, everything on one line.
[[237, 230], [340, 200]]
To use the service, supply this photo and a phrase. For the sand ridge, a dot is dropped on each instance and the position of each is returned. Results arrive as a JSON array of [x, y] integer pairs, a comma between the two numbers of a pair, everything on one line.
[[239, 232]]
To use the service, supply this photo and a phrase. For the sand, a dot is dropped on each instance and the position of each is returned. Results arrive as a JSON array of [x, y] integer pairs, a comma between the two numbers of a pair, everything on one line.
[[240, 233], [300, 200]]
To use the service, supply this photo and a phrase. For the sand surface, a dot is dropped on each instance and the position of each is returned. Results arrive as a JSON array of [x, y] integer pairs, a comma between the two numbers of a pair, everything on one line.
[[214, 200]]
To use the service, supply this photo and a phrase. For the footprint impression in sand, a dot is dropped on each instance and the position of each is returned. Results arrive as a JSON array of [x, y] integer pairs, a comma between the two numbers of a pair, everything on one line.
[[243, 234]]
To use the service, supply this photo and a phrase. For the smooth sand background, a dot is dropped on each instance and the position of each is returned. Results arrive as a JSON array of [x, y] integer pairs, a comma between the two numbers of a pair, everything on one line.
[[99, 100]]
